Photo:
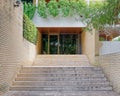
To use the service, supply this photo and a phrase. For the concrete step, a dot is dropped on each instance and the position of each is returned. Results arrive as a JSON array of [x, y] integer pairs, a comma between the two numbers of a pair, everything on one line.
[[76, 93], [61, 75], [60, 83], [61, 72], [63, 88], [65, 70], [60, 57], [61, 68], [60, 79], [76, 55]]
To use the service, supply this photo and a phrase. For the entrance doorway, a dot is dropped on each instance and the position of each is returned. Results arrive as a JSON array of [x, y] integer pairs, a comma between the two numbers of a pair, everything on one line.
[[60, 43], [53, 46]]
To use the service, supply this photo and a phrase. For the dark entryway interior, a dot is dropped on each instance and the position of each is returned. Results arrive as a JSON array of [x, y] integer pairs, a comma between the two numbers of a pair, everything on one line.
[[62, 41]]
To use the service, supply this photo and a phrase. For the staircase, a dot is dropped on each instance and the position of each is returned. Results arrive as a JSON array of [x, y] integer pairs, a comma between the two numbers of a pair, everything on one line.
[[61, 81]]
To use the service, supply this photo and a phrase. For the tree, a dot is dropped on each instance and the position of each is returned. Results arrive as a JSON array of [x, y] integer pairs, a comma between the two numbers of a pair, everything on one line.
[[108, 14]]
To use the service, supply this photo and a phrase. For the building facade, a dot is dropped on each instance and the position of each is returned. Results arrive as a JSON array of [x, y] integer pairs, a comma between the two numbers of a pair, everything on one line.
[[64, 35], [16, 52]]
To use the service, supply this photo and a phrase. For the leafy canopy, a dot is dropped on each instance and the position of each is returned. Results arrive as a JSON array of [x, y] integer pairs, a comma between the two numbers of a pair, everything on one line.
[[98, 14], [29, 9]]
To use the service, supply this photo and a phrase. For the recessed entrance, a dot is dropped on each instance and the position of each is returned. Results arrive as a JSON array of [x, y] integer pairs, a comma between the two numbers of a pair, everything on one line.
[[60, 40], [60, 44]]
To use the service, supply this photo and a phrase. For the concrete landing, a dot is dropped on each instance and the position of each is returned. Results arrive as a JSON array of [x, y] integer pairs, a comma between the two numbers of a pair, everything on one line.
[[61, 60]]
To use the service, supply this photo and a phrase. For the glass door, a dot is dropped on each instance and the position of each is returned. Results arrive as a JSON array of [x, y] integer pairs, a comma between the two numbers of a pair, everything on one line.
[[68, 43], [45, 44], [53, 44], [50, 44], [60, 44]]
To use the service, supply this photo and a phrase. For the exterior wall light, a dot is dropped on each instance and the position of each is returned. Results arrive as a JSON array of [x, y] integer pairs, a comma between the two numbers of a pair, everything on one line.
[[17, 3]]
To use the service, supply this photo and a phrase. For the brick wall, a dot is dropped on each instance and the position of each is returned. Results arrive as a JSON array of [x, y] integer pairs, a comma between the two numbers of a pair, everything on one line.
[[14, 49], [111, 66]]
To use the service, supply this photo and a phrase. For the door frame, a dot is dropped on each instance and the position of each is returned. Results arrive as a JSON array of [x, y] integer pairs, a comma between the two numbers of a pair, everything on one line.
[[58, 40], [78, 43]]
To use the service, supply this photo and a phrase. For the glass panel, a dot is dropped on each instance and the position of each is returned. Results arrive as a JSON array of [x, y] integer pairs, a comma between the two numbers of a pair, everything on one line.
[[54, 44], [68, 43], [44, 44]]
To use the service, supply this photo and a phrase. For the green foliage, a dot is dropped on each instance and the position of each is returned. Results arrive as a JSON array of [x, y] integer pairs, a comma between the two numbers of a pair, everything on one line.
[[97, 15], [94, 11], [107, 14], [29, 30], [65, 7], [29, 9], [81, 8], [53, 8], [101, 39], [42, 10]]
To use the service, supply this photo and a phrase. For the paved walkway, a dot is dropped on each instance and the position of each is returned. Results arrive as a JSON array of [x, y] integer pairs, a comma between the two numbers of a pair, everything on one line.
[[61, 60]]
